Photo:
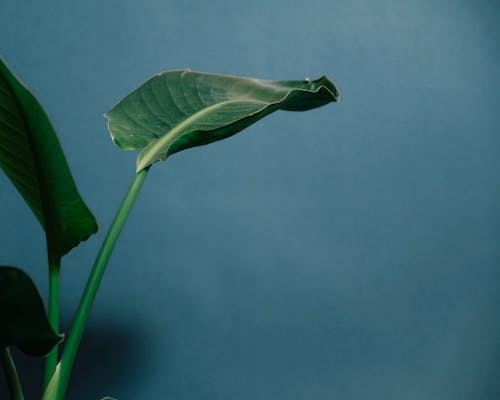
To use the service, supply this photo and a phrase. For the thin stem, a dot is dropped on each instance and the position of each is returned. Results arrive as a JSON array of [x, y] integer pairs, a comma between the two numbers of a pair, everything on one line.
[[93, 283], [54, 270], [15, 389]]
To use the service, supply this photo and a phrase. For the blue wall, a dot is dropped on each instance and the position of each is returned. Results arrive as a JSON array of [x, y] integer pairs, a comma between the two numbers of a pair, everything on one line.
[[351, 252]]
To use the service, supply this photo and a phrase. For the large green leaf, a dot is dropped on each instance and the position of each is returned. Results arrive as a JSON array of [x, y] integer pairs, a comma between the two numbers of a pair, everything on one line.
[[179, 109], [32, 158], [23, 322]]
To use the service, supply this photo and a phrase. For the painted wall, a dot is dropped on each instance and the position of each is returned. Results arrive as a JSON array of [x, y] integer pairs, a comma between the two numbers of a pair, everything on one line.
[[350, 252]]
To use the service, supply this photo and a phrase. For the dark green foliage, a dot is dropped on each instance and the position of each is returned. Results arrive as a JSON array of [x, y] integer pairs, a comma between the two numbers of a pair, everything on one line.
[[31, 156], [179, 109], [23, 322]]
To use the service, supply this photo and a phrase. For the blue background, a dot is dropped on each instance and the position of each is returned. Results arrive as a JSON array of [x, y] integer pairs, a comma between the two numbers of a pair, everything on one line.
[[349, 252]]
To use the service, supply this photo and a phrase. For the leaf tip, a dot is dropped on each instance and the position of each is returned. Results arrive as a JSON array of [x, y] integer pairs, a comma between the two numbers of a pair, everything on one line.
[[327, 84]]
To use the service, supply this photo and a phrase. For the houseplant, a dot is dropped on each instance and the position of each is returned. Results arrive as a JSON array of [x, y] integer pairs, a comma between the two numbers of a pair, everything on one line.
[[171, 112]]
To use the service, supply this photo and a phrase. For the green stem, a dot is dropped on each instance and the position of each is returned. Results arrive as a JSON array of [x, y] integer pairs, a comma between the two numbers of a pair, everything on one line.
[[93, 283], [54, 269], [15, 389]]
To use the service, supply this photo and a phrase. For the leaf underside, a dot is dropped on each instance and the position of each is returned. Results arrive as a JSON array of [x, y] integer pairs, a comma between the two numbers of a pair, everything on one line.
[[32, 158], [23, 322], [179, 109]]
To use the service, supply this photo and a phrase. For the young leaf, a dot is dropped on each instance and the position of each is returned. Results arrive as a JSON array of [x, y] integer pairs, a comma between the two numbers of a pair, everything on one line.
[[178, 109], [23, 322], [31, 156]]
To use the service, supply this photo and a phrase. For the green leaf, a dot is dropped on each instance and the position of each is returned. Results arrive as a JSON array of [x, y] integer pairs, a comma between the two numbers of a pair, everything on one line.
[[23, 322], [31, 156], [178, 109]]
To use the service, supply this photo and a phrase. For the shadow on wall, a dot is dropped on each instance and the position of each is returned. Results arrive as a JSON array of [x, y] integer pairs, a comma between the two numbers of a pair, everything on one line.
[[108, 355]]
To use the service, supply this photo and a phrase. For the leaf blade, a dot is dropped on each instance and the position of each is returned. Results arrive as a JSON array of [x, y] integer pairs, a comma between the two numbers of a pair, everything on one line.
[[32, 158], [178, 109], [23, 321]]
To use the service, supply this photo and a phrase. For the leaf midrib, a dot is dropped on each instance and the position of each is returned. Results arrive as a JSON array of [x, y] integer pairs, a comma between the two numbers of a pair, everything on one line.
[[176, 131]]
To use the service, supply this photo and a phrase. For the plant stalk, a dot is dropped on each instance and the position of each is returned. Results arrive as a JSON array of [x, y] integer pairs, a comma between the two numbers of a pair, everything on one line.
[[93, 284], [54, 271], [15, 389]]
